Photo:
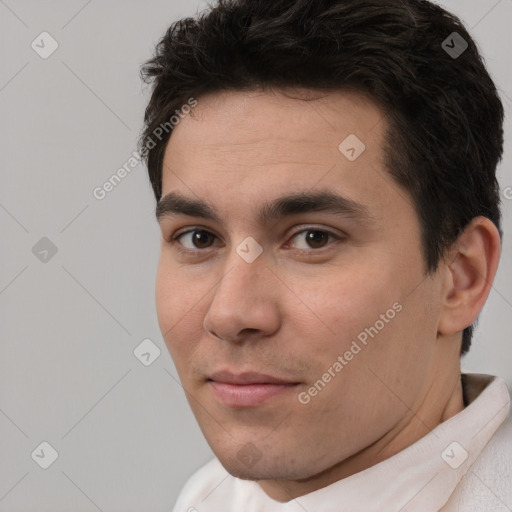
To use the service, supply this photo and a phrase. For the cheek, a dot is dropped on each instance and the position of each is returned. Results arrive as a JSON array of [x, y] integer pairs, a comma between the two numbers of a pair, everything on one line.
[[172, 301], [345, 301], [178, 307], [165, 298]]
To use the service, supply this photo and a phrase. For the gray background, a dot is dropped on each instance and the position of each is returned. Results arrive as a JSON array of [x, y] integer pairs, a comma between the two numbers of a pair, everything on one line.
[[125, 437]]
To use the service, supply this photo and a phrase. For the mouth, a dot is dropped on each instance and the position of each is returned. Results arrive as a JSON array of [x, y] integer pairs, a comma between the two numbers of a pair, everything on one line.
[[248, 389]]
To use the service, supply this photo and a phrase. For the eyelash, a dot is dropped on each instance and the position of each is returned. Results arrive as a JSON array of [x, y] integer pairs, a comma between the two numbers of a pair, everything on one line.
[[197, 252]]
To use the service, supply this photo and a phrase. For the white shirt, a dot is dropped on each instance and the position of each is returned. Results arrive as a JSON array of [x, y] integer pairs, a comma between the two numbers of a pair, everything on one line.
[[463, 465]]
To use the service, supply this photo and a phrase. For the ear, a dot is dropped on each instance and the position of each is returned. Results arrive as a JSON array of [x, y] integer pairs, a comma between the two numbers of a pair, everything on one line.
[[469, 273]]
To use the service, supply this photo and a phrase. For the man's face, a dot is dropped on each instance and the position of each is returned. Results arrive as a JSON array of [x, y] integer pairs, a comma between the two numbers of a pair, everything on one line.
[[291, 297]]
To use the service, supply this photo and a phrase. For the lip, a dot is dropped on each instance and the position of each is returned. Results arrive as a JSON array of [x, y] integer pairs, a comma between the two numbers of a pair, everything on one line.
[[247, 378], [248, 395], [248, 389]]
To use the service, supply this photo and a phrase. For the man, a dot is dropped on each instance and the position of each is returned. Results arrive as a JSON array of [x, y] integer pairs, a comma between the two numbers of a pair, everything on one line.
[[325, 178]]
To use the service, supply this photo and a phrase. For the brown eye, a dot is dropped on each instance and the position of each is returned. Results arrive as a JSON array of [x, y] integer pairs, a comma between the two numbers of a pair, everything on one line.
[[200, 238], [315, 239]]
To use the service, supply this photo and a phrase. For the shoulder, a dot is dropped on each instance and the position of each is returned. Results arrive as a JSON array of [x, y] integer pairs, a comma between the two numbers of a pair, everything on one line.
[[200, 485], [488, 483], [495, 461]]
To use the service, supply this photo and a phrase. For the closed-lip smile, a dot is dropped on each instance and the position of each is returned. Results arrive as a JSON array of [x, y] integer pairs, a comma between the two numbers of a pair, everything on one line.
[[247, 378], [248, 389]]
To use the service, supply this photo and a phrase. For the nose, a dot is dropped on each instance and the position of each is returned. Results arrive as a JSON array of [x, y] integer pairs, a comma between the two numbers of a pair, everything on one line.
[[245, 303]]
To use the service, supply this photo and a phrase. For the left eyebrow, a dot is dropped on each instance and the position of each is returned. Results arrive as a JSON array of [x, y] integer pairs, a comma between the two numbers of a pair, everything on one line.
[[303, 202]]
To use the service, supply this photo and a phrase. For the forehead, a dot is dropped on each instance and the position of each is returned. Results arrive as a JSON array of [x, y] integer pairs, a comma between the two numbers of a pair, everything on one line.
[[278, 117], [238, 148]]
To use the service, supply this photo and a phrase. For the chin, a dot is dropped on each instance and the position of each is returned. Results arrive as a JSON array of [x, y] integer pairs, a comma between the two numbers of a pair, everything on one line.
[[262, 469], [244, 473]]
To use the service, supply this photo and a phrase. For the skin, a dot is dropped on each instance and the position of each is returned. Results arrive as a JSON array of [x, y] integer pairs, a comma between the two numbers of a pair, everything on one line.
[[298, 306]]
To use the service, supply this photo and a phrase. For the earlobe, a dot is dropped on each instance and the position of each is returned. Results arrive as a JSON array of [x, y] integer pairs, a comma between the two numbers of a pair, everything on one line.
[[469, 272]]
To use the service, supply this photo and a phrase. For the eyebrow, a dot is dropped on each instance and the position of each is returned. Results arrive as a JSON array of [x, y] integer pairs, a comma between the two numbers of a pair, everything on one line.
[[174, 204]]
